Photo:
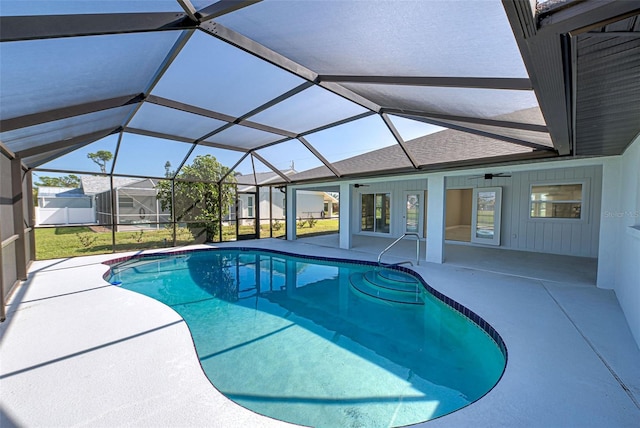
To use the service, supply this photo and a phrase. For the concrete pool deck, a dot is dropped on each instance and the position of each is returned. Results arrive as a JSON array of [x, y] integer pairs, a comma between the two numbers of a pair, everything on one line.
[[75, 350]]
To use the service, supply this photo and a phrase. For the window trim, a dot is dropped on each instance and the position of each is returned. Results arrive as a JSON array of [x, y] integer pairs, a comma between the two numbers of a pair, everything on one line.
[[584, 202]]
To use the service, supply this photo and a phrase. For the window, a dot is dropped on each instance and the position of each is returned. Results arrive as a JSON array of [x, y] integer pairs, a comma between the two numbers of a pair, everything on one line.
[[376, 213], [126, 202], [556, 201], [249, 206]]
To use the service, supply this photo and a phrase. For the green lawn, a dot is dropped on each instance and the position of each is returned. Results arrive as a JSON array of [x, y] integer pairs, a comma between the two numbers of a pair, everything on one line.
[[321, 226], [60, 242]]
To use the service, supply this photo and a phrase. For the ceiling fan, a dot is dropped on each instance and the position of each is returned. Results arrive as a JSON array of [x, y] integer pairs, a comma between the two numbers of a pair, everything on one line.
[[490, 175]]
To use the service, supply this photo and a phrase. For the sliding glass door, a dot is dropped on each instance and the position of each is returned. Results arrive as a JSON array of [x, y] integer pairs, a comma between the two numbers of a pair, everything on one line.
[[376, 212]]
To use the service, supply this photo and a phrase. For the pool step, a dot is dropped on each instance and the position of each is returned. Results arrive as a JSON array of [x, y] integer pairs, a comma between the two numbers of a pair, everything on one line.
[[386, 285], [393, 280]]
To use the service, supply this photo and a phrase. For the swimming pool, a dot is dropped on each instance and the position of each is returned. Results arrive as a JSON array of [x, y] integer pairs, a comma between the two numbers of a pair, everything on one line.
[[322, 342]]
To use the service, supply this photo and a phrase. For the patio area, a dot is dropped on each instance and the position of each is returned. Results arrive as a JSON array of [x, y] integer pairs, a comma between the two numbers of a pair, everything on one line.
[[77, 351]]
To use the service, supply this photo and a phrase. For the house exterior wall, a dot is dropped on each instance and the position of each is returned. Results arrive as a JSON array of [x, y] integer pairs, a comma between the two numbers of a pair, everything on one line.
[[619, 258], [277, 198], [557, 236], [518, 230], [396, 190], [309, 203], [277, 211]]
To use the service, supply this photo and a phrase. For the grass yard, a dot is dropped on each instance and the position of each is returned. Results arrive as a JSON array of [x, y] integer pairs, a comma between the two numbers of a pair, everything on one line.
[[60, 242], [321, 226]]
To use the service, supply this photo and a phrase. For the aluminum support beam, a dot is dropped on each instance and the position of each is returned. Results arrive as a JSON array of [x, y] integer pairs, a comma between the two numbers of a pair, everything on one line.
[[19, 28], [516, 141], [222, 7], [322, 159], [399, 139], [273, 168], [67, 112], [80, 139], [475, 120], [521, 84]]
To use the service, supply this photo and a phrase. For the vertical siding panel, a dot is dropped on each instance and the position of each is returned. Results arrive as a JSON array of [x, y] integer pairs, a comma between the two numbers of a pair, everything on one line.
[[568, 173], [548, 238], [585, 234], [514, 199], [566, 239], [538, 236], [527, 238], [587, 225], [557, 235], [524, 211], [563, 237], [505, 227], [530, 237], [575, 239]]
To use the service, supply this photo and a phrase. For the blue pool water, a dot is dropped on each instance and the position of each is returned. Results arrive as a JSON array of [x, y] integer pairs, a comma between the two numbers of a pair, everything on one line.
[[321, 343]]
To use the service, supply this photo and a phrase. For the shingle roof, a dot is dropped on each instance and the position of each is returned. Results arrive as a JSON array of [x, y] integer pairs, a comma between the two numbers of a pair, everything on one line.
[[93, 184], [437, 148], [262, 178]]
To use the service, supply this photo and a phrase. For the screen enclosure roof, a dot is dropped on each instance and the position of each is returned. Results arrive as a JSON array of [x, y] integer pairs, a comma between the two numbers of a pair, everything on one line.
[[304, 90]]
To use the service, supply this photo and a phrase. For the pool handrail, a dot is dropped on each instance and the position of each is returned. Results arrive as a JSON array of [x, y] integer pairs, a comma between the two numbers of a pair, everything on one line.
[[395, 242]]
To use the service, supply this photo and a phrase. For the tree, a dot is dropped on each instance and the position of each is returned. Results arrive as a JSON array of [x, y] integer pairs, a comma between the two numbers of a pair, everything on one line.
[[101, 157], [70, 180], [197, 197]]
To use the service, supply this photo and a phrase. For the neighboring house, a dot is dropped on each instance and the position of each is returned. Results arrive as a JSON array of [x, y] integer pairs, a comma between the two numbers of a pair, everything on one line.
[[137, 203], [309, 203], [64, 205]]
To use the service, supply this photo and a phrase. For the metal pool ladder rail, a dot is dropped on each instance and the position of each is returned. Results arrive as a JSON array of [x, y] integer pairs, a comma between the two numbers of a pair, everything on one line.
[[398, 240]]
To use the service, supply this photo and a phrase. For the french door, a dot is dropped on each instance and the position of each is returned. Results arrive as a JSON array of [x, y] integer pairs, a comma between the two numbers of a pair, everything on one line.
[[413, 215], [485, 221]]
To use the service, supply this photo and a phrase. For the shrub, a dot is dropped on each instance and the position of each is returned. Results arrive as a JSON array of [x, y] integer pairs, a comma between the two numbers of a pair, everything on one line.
[[276, 224], [137, 236], [87, 239]]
